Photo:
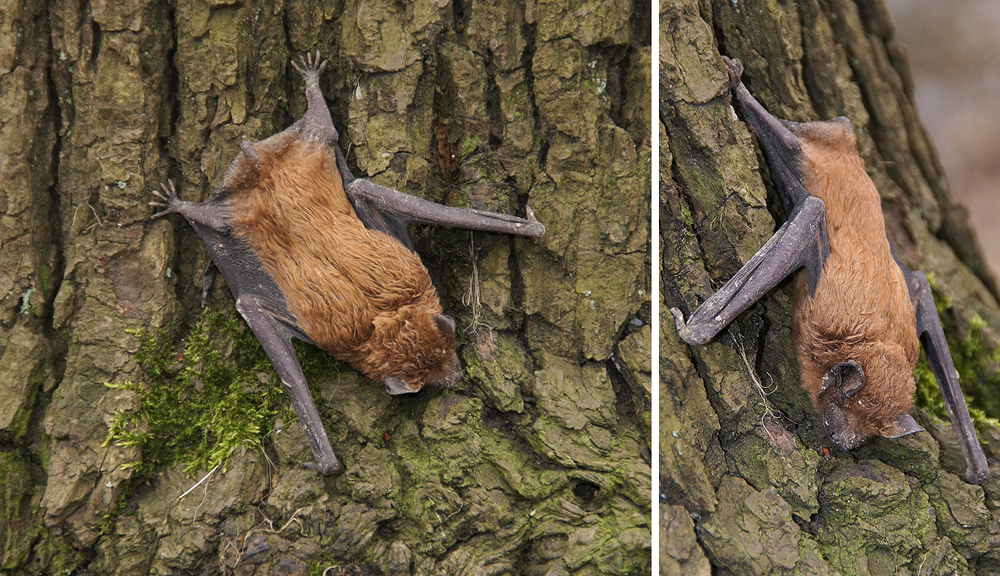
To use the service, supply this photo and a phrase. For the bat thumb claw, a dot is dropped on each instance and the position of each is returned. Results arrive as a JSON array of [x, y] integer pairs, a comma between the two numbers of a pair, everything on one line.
[[977, 474], [678, 319], [735, 69], [697, 335]]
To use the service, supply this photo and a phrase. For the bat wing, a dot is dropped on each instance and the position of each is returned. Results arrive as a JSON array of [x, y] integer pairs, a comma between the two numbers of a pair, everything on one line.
[[276, 339], [800, 242], [932, 339], [391, 211], [262, 305], [777, 138]]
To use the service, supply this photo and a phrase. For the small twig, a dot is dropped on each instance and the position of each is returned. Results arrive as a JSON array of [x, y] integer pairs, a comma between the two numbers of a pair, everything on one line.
[[205, 477], [768, 411], [472, 295], [290, 520]]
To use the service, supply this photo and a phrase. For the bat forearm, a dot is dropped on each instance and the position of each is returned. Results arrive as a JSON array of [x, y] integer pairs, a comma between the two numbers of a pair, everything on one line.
[[420, 211], [798, 243]]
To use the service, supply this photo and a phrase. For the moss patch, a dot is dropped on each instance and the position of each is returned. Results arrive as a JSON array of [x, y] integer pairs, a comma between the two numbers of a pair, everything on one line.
[[977, 359], [199, 405]]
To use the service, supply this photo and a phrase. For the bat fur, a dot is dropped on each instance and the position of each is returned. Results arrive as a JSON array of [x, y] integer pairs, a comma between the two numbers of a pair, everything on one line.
[[312, 252], [860, 315]]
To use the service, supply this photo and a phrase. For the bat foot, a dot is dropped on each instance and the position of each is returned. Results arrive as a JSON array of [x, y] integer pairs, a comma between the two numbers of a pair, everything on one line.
[[328, 469], [311, 67], [537, 229], [735, 69], [167, 202]]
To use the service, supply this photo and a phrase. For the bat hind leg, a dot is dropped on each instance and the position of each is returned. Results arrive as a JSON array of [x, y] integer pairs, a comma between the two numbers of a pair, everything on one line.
[[278, 346], [317, 120]]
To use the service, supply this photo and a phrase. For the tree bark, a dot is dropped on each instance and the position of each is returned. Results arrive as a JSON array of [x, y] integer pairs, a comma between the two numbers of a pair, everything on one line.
[[747, 483], [537, 463]]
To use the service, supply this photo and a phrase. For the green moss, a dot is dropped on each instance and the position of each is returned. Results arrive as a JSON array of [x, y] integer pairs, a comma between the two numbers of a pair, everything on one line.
[[20, 526], [19, 427], [44, 275], [109, 521], [197, 407], [469, 145], [976, 359], [53, 554]]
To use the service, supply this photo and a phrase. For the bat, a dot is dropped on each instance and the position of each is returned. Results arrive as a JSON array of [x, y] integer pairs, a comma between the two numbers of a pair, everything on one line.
[[859, 314], [309, 251]]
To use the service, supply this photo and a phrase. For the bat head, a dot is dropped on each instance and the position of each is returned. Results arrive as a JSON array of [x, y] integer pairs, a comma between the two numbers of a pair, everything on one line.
[[449, 368], [867, 395], [413, 351]]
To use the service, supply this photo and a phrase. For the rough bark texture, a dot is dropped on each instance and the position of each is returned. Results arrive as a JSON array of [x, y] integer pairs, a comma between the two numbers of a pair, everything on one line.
[[747, 488], [538, 463]]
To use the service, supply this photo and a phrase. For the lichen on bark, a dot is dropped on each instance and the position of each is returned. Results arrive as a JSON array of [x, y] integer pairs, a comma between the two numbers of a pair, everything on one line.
[[741, 450]]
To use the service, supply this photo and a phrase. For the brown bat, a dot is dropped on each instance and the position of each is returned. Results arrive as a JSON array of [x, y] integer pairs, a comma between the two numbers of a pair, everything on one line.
[[860, 315], [313, 253]]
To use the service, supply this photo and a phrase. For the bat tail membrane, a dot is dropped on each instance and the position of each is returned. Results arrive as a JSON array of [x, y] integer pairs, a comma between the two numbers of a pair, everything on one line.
[[780, 144], [317, 120], [800, 242]]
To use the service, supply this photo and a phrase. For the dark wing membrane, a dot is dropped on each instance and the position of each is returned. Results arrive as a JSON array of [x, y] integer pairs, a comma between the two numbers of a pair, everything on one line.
[[800, 242], [933, 340], [391, 211]]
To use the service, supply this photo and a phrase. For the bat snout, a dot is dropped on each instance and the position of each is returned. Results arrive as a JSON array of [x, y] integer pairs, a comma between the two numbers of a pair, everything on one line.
[[842, 431], [451, 374]]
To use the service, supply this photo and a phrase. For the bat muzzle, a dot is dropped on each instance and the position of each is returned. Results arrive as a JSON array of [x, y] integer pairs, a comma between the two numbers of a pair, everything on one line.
[[451, 374], [841, 430]]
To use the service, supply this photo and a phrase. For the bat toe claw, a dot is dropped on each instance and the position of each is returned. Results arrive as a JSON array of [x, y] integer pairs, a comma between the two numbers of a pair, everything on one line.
[[328, 469], [735, 69], [166, 201], [678, 319], [308, 65]]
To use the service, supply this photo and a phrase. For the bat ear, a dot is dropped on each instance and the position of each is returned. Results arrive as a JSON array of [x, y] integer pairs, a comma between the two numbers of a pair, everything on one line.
[[252, 155], [396, 386], [905, 426], [445, 324], [847, 377]]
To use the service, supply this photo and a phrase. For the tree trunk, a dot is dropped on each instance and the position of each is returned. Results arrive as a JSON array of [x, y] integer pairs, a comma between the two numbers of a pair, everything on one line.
[[749, 487], [538, 462]]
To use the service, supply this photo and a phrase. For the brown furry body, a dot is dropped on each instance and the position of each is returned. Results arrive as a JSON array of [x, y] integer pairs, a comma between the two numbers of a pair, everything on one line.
[[357, 293], [311, 252], [862, 309], [860, 315]]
